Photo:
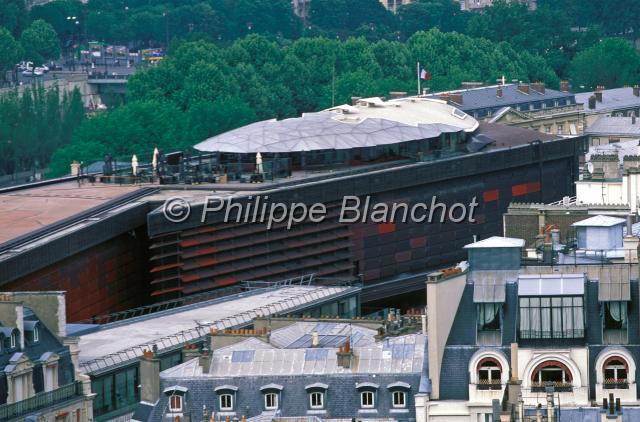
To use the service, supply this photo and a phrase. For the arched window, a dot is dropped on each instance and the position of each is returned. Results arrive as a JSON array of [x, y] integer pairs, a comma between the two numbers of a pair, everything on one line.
[[489, 374], [615, 373], [551, 373]]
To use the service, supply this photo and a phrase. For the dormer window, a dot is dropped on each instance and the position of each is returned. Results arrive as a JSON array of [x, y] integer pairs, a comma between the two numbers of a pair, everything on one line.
[[271, 401], [399, 391], [36, 334], [367, 400], [316, 400], [13, 342], [226, 397], [399, 399], [316, 394], [175, 403]]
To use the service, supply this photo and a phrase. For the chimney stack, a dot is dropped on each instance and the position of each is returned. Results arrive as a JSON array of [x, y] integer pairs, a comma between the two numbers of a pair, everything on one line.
[[315, 340], [538, 87], [524, 88], [354, 100], [344, 355], [499, 91], [636, 90], [456, 97], [514, 361], [564, 86], [592, 102], [149, 377], [598, 93]]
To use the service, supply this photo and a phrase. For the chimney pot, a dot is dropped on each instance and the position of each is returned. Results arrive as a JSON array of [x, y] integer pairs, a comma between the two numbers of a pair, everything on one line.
[[564, 86]]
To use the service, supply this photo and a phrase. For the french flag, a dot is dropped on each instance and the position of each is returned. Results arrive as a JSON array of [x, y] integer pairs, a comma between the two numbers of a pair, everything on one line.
[[424, 74]]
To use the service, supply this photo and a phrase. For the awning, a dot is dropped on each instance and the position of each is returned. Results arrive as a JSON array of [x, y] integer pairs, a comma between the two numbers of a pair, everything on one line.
[[490, 286], [614, 284], [551, 285]]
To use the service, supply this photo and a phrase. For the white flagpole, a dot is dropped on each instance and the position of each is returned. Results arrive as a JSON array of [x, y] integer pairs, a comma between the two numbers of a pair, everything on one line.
[[418, 73]]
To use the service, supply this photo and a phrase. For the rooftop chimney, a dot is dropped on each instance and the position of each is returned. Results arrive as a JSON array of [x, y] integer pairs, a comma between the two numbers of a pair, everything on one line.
[[456, 97], [149, 377], [499, 92], [524, 88], [636, 90], [354, 100], [538, 87], [592, 102], [315, 341], [598, 95], [344, 355], [564, 86], [205, 360]]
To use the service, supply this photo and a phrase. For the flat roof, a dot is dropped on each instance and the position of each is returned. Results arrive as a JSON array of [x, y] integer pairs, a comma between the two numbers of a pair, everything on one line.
[[118, 343], [25, 210]]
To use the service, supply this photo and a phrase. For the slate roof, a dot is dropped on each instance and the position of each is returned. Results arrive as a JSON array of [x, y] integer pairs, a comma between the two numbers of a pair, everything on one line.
[[485, 97], [612, 99], [346, 127], [614, 125]]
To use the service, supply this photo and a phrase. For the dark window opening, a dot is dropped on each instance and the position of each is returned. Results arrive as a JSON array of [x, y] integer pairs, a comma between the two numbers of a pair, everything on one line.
[[615, 374]]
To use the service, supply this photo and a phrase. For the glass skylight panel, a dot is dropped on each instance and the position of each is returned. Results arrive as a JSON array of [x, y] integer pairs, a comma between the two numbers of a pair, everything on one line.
[[243, 355], [316, 354]]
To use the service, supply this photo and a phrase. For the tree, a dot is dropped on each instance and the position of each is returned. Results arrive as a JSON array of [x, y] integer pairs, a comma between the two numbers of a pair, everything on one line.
[[10, 52], [347, 15], [40, 42], [56, 13], [13, 15], [612, 63], [425, 14]]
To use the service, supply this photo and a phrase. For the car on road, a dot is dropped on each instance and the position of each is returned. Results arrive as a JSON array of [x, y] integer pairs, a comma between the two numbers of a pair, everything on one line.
[[33, 72]]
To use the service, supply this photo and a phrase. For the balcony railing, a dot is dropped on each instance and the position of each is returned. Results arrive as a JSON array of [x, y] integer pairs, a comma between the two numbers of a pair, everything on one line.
[[40, 401], [489, 385], [559, 387], [615, 384]]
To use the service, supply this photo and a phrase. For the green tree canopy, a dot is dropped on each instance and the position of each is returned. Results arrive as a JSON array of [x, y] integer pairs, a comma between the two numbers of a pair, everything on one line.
[[10, 52], [40, 42], [612, 63]]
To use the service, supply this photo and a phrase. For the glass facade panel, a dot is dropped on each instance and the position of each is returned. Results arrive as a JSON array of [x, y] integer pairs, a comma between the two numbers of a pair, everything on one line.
[[551, 317]]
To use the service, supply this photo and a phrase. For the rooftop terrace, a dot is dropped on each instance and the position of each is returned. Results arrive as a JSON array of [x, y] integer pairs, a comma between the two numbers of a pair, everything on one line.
[[118, 343]]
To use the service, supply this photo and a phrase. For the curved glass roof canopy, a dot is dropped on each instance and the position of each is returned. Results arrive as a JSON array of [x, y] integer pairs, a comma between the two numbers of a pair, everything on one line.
[[371, 122]]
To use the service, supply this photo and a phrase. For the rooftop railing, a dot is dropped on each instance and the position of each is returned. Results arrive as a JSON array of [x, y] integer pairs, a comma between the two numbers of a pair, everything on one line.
[[40, 401]]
